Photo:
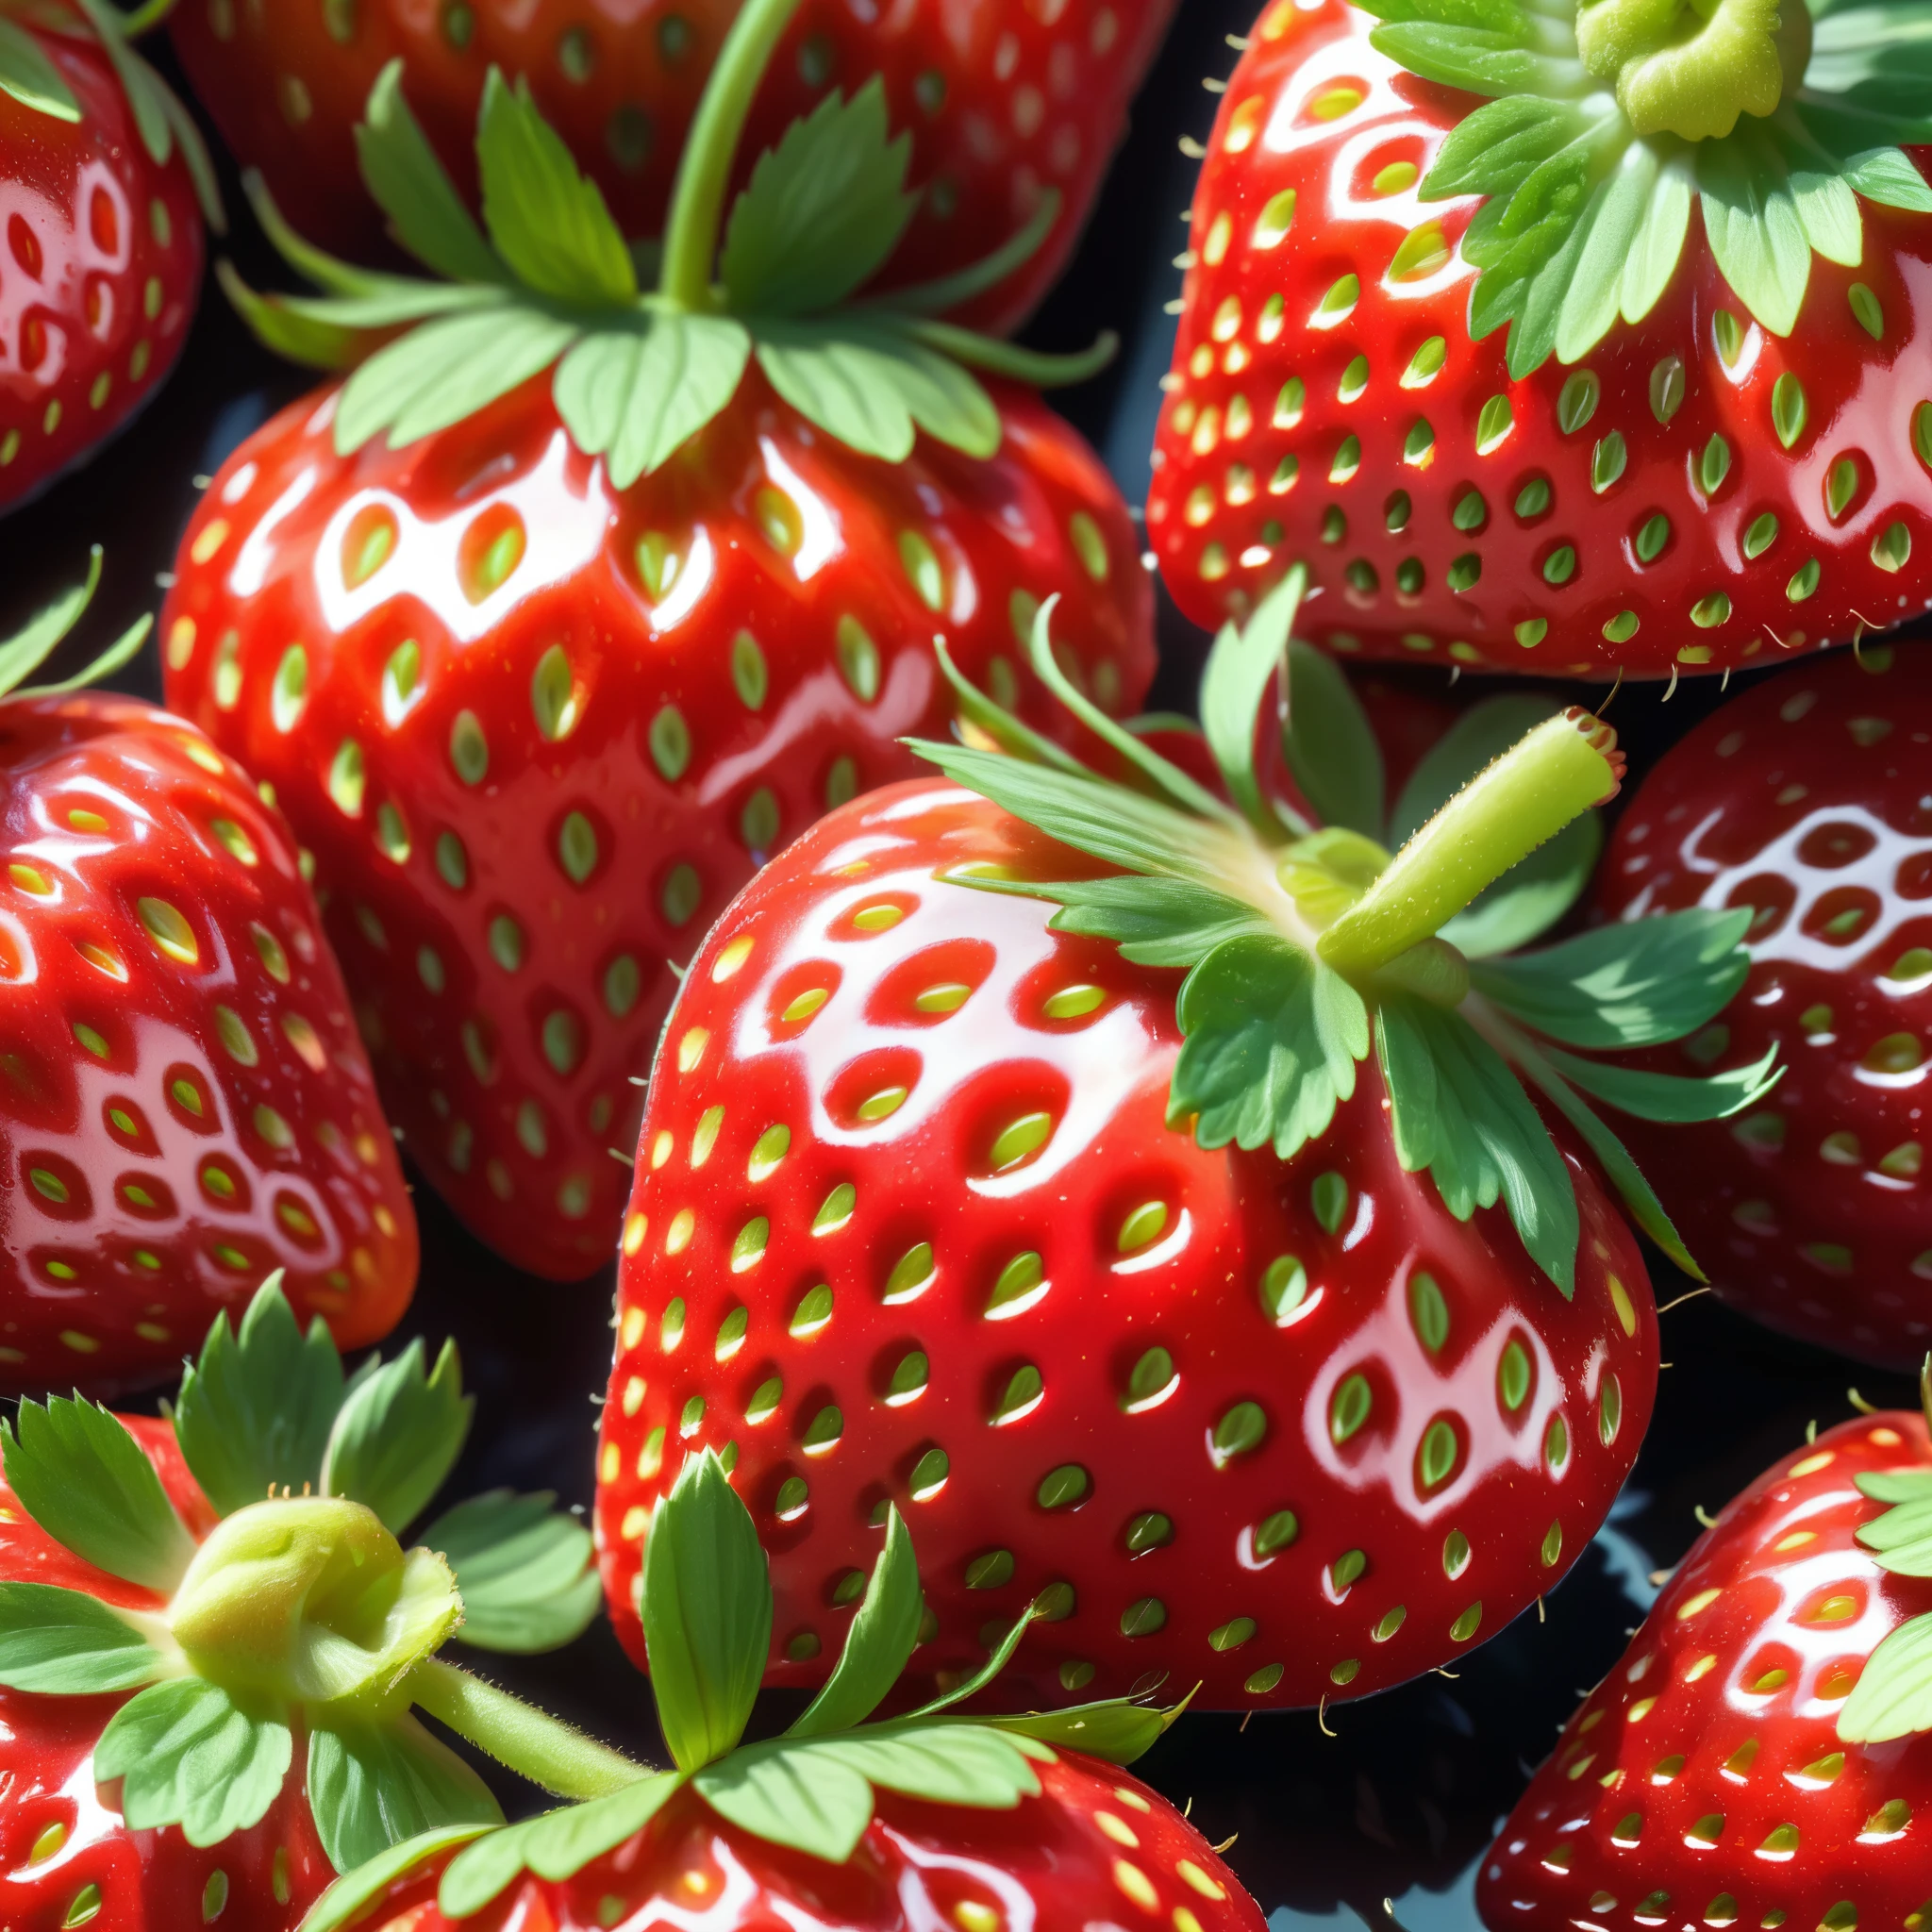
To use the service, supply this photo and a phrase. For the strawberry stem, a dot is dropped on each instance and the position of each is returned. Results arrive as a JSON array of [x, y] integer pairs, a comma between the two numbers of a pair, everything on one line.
[[541, 1748], [704, 173], [1553, 775]]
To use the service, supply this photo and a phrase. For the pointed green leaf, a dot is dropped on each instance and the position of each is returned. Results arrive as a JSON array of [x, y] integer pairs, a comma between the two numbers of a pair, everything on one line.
[[795, 1796], [1117, 1731], [188, 1753], [526, 1573], [1666, 1096], [316, 344], [823, 211], [86, 1481], [634, 390], [1241, 666], [412, 187], [1893, 1697], [1477, 60], [548, 221], [707, 1609], [1886, 175], [1657, 245], [372, 1787], [1494, 150], [351, 1895], [139, 83], [31, 77], [66, 1643], [28, 648], [1901, 1537], [1329, 744], [398, 1434], [1588, 307], [1751, 221], [879, 1644], [947, 1762], [1154, 921], [255, 1411], [1896, 1485]]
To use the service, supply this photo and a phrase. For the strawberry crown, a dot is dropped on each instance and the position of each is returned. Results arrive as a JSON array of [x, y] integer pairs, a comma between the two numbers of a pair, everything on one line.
[[548, 279], [32, 80], [1305, 949], [1607, 119], [301, 1611], [705, 1603]]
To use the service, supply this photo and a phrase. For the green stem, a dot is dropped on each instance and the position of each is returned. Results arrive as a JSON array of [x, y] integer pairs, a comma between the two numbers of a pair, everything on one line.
[[988, 272], [1553, 775], [532, 1744], [145, 17], [697, 199], [1036, 367]]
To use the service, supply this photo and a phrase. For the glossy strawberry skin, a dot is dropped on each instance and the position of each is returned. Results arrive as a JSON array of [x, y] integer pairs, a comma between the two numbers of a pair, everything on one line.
[[1096, 1847], [1438, 1570], [1226, 523], [1806, 799], [100, 268], [62, 1844], [684, 753], [1740, 1790], [1001, 100], [184, 1103]]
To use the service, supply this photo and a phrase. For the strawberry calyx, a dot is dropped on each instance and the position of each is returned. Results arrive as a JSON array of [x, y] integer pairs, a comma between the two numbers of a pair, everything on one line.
[[705, 1598], [1306, 948], [548, 282], [1604, 122], [301, 1615], [24, 653]]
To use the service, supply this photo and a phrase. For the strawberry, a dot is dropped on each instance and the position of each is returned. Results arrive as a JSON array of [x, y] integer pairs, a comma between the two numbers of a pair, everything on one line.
[[1447, 306], [1015, 107], [1174, 1314], [1754, 1760], [928, 1820], [184, 1103], [140, 1556], [100, 267], [544, 673], [1803, 804]]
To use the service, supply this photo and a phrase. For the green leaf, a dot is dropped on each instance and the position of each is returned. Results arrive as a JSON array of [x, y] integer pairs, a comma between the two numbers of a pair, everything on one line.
[[316, 344], [1117, 1731], [398, 1434], [1329, 744], [1272, 1039], [823, 211], [1530, 896], [28, 648], [879, 1644], [547, 221], [1896, 1485], [1501, 17], [344, 1904], [254, 1412], [706, 1609], [1657, 245], [30, 78], [1242, 664], [1751, 221], [144, 88], [444, 370], [1901, 1539], [636, 391], [1886, 175], [372, 1787], [1617, 211], [1495, 149], [971, 1686], [66, 1643], [86, 1481], [1017, 738], [1665, 1096], [1893, 1697], [1478, 60], [555, 1847], [526, 1573], [426, 215], [1154, 921], [1636, 984], [1458, 1110], [189, 1754], [869, 384]]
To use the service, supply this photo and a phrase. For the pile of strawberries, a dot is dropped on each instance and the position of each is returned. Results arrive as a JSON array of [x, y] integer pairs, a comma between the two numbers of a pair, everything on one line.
[[1110, 1209]]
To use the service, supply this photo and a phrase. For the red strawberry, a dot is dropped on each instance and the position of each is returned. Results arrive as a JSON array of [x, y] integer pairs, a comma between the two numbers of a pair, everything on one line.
[[100, 266], [185, 1105], [980, 1826], [218, 1599], [538, 714], [918, 1220], [1006, 103], [1804, 803], [1746, 429], [1752, 1762]]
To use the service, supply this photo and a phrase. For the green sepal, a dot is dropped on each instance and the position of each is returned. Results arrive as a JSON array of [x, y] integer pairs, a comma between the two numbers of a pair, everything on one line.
[[1669, 1097], [190, 1754], [1896, 1485], [30, 77], [408, 182], [75, 1470], [1901, 1539], [1153, 922], [879, 1644], [373, 1786], [1329, 745], [397, 1436], [527, 1571], [29, 647], [65, 1643], [970, 1686], [1009, 732], [1117, 1730], [1247, 660], [356, 1891], [1893, 1697], [254, 1412]]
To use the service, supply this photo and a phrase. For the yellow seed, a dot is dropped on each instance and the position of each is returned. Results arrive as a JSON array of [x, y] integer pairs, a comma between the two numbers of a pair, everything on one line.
[[677, 1237], [690, 1049], [634, 1316], [731, 959], [877, 918], [806, 1005], [1702, 1601], [1136, 1884], [1191, 1874], [1118, 1829], [635, 1228], [171, 934]]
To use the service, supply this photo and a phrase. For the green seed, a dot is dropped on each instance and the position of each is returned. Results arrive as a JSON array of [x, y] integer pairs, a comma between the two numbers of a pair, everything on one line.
[[1465, 1625], [1232, 1635], [1150, 1530], [1465, 572], [858, 659], [1789, 408], [1020, 1284], [1454, 1555], [1064, 1487], [929, 1475], [1436, 1458], [1349, 1408], [1149, 1614], [1841, 486], [669, 744], [1152, 1379], [1144, 1224], [1577, 402], [1607, 462], [1553, 1546], [1534, 498], [1328, 1196], [990, 1571], [1023, 1392], [1495, 422], [912, 1273], [1347, 1569], [1866, 308], [1714, 465], [576, 847], [921, 566], [1428, 1311], [909, 1379], [1652, 538], [1560, 566], [554, 700], [1241, 1430], [682, 890], [1892, 547], [468, 751], [1513, 1375], [1023, 1137], [1277, 1532], [1803, 581], [1667, 388], [1284, 1286], [1471, 511], [1761, 535], [1416, 445], [749, 674]]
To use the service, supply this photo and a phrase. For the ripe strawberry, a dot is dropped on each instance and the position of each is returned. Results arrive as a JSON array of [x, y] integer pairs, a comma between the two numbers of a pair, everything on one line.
[[1804, 802], [540, 688], [1007, 103], [1173, 1338], [184, 1105], [1752, 1762], [1746, 430], [100, 267], [929, 1820], [140, 1556]]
